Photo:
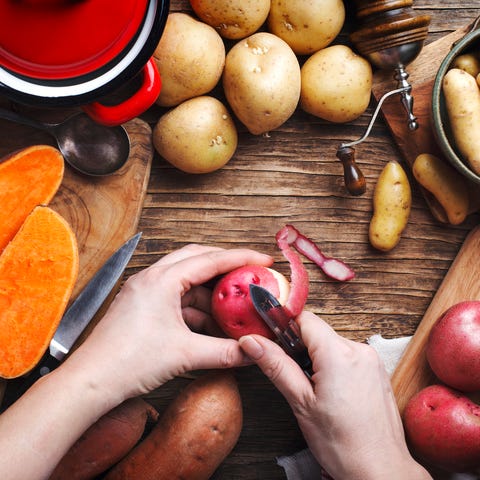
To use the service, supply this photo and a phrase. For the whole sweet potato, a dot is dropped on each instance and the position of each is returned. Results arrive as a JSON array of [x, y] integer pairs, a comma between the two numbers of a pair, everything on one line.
[[194, 435], [106, 442]]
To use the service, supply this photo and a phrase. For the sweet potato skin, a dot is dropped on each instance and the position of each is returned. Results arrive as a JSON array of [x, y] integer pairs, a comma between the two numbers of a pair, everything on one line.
[[193, 437], [106, 442]]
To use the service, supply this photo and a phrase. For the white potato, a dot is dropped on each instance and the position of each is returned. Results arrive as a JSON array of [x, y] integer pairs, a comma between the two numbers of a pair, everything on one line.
[[233, 19], [190, 58], [306, 25], [197, 136], [336, 84], [261, 81]]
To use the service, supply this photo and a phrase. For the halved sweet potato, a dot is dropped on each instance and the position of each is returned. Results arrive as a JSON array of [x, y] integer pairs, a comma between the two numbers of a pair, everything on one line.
[[28, 178], [38, 270]]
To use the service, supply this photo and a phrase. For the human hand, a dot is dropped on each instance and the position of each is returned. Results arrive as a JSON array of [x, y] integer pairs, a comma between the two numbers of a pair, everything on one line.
[[152, 331], [347, 412]]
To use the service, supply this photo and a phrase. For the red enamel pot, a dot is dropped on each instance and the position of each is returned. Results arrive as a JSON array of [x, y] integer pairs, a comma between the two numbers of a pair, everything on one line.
[[77, 52]]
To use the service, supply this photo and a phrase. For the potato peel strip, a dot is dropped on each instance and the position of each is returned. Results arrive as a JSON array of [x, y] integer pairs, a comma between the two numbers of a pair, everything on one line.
[[332, 267]]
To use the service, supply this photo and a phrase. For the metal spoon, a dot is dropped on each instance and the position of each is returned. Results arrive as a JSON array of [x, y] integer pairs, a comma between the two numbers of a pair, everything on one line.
[[89, 147]]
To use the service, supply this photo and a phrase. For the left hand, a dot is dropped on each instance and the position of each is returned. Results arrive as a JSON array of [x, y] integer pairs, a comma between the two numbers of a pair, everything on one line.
[[152, 330]]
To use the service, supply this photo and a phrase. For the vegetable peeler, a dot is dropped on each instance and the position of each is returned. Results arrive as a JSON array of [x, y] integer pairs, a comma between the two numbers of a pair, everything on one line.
[[282, 325]]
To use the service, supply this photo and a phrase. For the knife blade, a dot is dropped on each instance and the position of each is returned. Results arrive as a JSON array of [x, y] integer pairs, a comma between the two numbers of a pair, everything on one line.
[[282, 325], [75, 320]]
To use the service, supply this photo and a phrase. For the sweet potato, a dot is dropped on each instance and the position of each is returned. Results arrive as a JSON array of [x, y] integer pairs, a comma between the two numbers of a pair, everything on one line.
[[28, 178], [38, 270], [194, 435], [106, 442]]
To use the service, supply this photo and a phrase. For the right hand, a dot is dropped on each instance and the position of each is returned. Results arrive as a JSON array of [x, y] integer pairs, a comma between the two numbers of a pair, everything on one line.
[[347, 413]]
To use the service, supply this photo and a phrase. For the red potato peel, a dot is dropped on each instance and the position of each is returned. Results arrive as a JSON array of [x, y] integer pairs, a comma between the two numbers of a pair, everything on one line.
[[332, 267]]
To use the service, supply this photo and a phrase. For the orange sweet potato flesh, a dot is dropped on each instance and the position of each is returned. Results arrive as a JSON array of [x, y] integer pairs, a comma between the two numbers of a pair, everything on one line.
[[38, 270], [106, 442], [28, 178], [192, 438]]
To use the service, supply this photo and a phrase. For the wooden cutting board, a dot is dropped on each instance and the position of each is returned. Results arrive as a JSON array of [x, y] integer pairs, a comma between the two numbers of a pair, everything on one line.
[[103, 211], [462, 282], [422, 72]]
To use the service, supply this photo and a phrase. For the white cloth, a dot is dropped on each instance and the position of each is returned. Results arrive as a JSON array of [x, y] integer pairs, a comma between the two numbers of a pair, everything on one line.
[[303, 466]]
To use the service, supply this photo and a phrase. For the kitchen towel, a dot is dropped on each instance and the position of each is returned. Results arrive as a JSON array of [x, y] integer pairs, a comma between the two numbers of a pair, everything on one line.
[[303, 465]]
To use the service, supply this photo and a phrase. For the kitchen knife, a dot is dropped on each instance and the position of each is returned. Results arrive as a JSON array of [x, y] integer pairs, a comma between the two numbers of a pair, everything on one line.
[[282, 325], [75, 320]]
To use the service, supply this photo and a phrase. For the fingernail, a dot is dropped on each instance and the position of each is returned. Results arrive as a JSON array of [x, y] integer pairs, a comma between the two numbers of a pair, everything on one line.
[[251, 347]]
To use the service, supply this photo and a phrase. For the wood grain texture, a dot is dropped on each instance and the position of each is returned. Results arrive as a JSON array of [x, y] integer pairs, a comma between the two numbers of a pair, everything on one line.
[[292, 175]]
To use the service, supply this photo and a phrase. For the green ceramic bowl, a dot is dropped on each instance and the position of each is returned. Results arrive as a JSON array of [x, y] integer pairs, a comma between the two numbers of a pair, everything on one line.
[[441, 127]]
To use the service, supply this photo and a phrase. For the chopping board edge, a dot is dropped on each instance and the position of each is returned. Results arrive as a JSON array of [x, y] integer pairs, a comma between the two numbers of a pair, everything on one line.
[[413, 372]]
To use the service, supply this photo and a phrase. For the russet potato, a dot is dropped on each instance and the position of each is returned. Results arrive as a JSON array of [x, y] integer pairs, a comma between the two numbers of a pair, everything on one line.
[[336, 84], [233, 19], [306, 25], [197, 136], [261, 81], [190, 58]]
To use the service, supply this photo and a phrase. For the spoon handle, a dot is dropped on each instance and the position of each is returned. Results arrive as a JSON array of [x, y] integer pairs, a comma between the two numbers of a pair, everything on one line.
[[17, 118]]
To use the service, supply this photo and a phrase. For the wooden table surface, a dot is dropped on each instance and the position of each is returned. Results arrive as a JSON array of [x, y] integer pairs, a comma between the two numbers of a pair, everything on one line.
[[293, 176]]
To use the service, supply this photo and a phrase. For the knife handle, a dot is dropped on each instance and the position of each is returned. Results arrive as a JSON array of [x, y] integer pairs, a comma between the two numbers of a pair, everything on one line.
[[297, 349], [16, 387]]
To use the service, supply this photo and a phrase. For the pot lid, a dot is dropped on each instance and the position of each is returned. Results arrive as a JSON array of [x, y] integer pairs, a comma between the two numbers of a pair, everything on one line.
[[61, 39]]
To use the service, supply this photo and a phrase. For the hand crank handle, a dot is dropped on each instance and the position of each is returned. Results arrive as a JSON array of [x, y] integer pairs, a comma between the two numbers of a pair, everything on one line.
[[354, 179], [352, 175]]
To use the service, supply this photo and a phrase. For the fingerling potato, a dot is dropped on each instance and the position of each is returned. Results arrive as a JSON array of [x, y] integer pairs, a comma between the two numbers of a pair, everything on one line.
[[392, 201], [445, 184], [462, 101]]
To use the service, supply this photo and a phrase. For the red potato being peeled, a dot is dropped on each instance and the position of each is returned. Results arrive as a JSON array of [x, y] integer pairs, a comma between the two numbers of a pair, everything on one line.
[[232, 307], [453, 346], [442, 427]]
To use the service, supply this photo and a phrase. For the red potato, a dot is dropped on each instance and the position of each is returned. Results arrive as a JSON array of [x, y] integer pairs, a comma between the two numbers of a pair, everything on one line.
[[232, 306], [453, 347], [443, 428], [106, 442]]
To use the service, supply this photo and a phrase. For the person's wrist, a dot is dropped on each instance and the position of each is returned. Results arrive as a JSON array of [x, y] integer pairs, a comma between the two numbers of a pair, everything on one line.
[[398, 466], [394, 464], [97, 383]]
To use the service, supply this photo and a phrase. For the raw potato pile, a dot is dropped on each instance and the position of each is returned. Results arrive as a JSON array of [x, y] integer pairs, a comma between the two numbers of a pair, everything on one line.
[[462, 100], [260, 74]]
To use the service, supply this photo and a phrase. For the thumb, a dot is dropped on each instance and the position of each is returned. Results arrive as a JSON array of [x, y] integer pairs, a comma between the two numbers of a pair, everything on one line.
[[282, 370]]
